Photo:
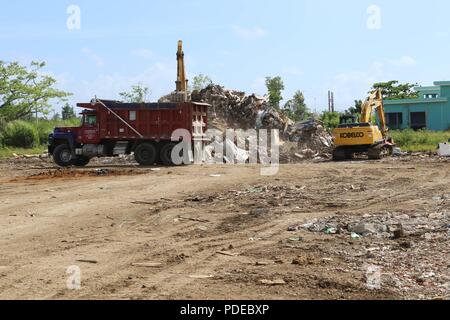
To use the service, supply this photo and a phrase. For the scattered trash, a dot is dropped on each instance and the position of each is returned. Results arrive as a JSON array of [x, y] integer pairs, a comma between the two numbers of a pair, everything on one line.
[[276, 282], [330, 230], [88, 261], [147, 264], [180, 218], [201, 276], [296, 239], [397, 152], [102, 172], [228, 253], [355, 236], [215, 175], [364, 229], [398, 232]]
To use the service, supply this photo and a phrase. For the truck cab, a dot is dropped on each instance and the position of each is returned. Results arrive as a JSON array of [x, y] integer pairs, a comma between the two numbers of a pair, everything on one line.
[[89, 131], [64, 141]]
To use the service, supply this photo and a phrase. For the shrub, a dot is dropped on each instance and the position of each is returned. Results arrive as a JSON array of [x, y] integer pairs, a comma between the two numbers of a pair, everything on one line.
[[44, 128], [2, 124], [20, 134]]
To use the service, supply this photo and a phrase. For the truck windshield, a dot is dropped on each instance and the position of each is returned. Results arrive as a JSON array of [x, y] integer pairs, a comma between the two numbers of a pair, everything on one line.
[[90, 120]]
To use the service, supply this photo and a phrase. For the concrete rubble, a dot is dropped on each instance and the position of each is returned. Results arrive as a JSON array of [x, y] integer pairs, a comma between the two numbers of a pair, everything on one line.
[[235, 109], [302, 141]]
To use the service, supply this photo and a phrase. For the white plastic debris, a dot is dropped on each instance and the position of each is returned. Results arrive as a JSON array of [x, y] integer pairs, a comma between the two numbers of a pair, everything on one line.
[[444, 150]]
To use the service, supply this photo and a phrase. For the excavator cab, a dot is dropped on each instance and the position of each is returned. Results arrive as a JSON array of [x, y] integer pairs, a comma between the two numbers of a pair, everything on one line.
[[363, 137]]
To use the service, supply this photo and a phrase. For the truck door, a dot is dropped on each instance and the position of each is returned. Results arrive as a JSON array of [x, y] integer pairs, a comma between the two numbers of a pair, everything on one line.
[[90, 134]]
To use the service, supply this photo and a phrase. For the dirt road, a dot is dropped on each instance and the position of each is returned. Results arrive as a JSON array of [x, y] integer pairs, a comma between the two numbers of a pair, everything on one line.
[[222, 232]]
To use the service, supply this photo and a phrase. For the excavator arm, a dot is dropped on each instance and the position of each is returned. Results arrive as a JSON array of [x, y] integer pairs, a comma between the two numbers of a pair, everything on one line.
[[374, 102]]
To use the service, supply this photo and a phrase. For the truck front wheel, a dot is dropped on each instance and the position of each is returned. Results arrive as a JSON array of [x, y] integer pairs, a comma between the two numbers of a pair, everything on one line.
[[145, 154], [62, 155]]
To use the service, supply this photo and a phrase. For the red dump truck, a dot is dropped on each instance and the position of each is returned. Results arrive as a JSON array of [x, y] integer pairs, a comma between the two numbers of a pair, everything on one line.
[[112, 128]]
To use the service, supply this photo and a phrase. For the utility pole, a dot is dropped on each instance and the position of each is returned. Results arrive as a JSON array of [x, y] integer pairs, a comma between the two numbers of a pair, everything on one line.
[[330, 101]]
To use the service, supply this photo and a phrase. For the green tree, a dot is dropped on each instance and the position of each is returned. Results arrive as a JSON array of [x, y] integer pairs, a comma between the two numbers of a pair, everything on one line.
[[356, 109], [200, 82], [68, 112], [25, 91], [296, 108], [330, 119], [138, 94], [393, 90], [275, 87]]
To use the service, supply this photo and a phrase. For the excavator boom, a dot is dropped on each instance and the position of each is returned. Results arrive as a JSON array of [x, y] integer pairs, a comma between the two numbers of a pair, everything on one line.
[[374, 102], [181, 83]]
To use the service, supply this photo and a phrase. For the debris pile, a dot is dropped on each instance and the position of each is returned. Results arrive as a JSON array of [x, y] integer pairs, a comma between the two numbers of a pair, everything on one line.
[[234, 109], [312, 141], [388, 226]]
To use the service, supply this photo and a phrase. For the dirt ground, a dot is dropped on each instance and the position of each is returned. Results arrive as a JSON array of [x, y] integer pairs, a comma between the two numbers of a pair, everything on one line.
[[224, 232]]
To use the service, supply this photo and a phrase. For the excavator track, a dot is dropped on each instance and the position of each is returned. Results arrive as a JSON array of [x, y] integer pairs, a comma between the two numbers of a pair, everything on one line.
[[379, 152]]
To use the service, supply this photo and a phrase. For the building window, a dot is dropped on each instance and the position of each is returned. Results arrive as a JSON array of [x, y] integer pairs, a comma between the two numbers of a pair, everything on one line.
[[394, 120], [132, 115], [418, 120], [430, 96]]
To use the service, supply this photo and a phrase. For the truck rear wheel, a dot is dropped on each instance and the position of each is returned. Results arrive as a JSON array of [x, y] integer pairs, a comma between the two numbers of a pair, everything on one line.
[[146, 154], [81, 161], [62, 155], [166, 154]]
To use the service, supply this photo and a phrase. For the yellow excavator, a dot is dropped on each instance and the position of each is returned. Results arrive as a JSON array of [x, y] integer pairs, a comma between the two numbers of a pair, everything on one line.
[[364, 137]]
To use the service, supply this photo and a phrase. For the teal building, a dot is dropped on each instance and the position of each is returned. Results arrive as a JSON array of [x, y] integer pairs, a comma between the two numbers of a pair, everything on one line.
[[431, 110]]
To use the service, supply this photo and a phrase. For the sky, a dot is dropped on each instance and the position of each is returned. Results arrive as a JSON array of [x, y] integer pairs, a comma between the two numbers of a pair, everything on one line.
[[100, 48]]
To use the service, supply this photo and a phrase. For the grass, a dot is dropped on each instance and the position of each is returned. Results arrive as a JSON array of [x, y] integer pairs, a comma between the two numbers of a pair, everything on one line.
[[419, 141], [9, 152]]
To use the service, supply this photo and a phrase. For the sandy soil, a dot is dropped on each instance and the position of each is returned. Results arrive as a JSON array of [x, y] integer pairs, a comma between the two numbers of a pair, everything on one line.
[[218, 232]]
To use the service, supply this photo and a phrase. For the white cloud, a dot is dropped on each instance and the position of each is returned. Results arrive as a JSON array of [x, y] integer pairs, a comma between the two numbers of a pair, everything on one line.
[[405, 61], [143, 53], [93, 56], [249, 33]]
